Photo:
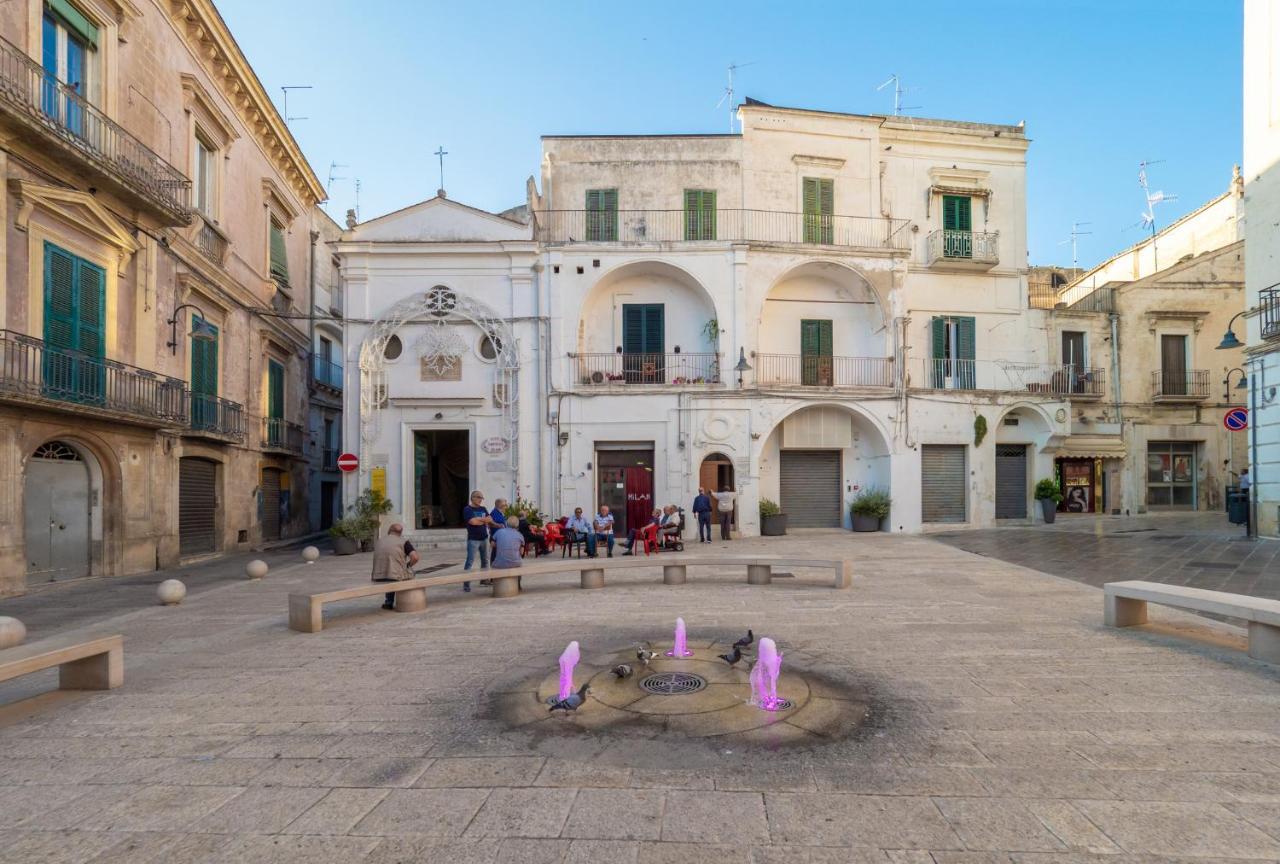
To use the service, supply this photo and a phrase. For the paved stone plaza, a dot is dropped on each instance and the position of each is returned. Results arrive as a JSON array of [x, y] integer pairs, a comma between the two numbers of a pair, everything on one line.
[[1002, 724]]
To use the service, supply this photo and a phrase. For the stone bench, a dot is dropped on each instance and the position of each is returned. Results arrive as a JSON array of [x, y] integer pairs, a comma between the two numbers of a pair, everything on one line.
[[94, 665], [306, 610], [1125, 605]]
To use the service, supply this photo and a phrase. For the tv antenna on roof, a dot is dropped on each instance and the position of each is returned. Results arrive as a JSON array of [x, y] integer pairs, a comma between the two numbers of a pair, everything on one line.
[[1076, 233], [285, 104], [898, 90], [328, 187], [728, 94], [1153, 198]]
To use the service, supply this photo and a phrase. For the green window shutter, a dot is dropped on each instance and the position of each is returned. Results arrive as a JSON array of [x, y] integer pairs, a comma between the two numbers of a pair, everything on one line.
[[965, 351], [91, 297], [279, 255], [655, 338], [73, 19], [602, 214], [275, 389], [818, 201], [699, 214], [827, 197], [815, 338], [60, 325], [938, 327], [632, 329], [643, 328], [204, 363], [957, 213]]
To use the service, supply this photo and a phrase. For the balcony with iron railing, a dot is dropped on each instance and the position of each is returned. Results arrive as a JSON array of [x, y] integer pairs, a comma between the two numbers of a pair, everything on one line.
[[281, 435], [210, 240], [326, 373], [1009, 376], [53, 113], [871, 233], [976, 250], [1182, 385], [805, 370], [215, 417], [1041, 295], [32, 373], [1269, 313], [670, 370]]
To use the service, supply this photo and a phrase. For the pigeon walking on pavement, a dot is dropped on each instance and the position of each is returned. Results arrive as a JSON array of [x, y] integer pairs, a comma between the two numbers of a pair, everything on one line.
[[573, 701], [622, 670], [733, 658], [645, 653], [745, 640]]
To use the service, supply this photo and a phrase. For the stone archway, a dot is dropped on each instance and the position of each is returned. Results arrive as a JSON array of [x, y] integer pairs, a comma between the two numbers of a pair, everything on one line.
[[63, 483], [437, 307]]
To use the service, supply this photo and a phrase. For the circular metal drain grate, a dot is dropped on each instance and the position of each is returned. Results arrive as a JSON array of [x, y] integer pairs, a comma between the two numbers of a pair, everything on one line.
[[783, 705], [672, 683]]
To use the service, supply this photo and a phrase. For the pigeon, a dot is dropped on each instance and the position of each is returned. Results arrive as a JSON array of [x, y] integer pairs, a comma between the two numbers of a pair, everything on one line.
[[745, 640], [733, 658], [622, 670], [644, 654], [573, 701]]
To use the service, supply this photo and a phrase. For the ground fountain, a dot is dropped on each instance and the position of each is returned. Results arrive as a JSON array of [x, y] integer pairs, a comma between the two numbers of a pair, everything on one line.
[[680, 647], [568, 660], [764, 676]]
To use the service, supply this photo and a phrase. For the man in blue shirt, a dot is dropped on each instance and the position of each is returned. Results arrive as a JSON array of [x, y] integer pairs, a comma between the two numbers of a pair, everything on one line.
[[478, 521], [603, 530], [498, 515], [580, 529], [702, 509]]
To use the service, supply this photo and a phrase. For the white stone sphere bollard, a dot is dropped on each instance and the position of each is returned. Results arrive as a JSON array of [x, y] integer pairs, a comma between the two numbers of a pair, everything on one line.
[[12, 632], [256, 569], [311, 554], [171, 592]]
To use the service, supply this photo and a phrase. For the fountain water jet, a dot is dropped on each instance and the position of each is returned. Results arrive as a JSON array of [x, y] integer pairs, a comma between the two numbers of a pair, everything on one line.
[[679, 648], [568, 660], [764, 676]]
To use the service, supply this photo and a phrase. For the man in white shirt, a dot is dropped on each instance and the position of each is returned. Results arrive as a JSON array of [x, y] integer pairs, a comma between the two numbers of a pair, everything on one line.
[[603, 525], [725, 499]]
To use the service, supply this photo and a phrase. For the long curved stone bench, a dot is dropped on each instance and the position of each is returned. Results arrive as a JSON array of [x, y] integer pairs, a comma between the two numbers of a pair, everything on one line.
[[1125, 605], [306, 611]]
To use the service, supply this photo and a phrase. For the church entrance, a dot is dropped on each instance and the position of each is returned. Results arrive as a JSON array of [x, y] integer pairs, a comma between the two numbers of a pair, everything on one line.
[[441, 477]]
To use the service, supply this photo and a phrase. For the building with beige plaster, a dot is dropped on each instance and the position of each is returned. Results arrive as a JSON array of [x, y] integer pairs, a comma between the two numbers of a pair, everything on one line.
[[155, 237]]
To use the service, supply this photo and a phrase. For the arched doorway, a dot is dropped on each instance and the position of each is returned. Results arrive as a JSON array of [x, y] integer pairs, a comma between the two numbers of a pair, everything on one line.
[[58, 510], [715, 474]]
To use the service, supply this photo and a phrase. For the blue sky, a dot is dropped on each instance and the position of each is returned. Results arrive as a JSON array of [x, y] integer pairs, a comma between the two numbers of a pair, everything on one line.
[[1102, 84]]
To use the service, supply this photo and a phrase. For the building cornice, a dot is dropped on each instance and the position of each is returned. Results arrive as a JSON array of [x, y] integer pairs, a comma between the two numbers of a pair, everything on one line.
[[209, 35]]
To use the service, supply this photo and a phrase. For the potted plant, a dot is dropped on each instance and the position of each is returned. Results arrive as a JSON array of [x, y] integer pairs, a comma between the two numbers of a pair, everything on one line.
[[1049, 494], [773, 522], [346, 534], [365, 513], [869, 508]]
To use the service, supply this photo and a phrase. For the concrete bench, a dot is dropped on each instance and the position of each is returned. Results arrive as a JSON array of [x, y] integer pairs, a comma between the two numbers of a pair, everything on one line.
[[94, 665], [675, 566], [1125, 605]]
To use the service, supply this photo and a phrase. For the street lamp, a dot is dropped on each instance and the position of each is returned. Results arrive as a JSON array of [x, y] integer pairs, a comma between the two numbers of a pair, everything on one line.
[[1242, 384], [201, 330], [1229, 339], [743, 365]]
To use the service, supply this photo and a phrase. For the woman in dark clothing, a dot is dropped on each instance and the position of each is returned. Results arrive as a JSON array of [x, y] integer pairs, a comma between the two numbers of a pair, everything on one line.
[[536, 542]]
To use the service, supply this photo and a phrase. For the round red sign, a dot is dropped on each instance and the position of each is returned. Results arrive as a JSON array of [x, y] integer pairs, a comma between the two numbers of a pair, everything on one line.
[[348, 462]]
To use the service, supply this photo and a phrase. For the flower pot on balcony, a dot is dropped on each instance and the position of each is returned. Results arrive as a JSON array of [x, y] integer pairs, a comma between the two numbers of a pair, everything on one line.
[[865, 523], [773, 526], [345, 545]]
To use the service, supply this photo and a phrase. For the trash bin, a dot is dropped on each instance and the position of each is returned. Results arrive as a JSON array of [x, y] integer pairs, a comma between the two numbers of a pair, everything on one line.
[[1238, 507]]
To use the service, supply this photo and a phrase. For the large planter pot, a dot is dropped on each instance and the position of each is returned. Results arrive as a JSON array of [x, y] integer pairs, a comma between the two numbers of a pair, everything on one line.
[[773, 526], [1049, 508], [345, 545], [865, 523]]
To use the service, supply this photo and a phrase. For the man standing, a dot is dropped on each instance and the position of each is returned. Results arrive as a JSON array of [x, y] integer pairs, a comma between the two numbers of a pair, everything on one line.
[[702, 511], [507, 541], [478, 521], [580, 529], [724, 504], [602, 527], [391, 563]]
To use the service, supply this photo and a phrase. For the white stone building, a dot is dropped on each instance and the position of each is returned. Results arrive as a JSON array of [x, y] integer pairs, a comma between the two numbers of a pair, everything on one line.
[[1262, 267], [821, 304]]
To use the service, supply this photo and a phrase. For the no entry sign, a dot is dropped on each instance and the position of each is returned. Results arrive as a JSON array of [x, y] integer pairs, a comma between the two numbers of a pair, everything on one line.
[[1236, 419], [348, 462]]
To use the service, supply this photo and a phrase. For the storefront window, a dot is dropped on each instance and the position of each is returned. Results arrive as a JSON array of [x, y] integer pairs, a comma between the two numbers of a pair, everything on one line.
[[1171, 475]]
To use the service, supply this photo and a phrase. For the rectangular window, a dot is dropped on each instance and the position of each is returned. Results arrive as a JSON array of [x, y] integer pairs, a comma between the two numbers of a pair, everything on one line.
[[206, 177], [602, 215], [957, 226], [279, 255], [1174, 380], [953, 366], [204, 375], [68, 52], [815, 353], [819, 209], [1073, 349], [699, 214], [74, 326], [275, 390], [643, 343]]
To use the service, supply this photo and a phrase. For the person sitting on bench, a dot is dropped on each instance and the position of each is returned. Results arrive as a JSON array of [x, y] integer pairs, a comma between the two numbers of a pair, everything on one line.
[[508, 541], [393, 560]]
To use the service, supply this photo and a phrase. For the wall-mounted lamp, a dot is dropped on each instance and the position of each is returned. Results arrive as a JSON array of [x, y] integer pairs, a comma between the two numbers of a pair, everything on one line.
[[1242, 384], [201, 330], [563, 438], [743, 365], [1229, 339]]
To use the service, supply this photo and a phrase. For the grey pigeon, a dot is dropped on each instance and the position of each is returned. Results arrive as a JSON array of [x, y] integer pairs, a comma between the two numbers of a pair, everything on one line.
[[573, 701], [733, 658], [644, 653], [622, 670], [745, 640]]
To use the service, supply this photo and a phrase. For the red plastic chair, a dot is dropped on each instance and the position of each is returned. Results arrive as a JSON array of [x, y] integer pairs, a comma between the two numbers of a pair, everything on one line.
[[649, 537]]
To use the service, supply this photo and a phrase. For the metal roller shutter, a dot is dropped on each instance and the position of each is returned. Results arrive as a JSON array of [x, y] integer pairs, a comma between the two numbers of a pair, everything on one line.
[[942, 473], [271, 504], [197, 506], [810, 488], [1011, 481]]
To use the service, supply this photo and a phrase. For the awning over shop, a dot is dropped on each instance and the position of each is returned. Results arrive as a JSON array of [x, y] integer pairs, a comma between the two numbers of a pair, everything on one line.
[[1091, 447]]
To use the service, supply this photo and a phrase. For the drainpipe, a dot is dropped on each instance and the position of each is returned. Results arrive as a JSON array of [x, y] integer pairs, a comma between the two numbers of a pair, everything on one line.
[[1115, 369], [1253, 452]]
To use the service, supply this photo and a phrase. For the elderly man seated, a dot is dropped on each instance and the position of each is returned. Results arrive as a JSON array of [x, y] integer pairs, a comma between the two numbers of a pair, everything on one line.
[[508, 541], [393, 560]]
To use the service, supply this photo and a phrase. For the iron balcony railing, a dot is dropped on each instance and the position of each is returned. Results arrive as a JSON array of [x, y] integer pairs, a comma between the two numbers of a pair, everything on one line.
[[329, 459], [1041, 295], [1180, 385], [1010, 376], [210, 242], [44, 104], [808, 370], [213, 415], [1269, 312], [325, 372], [281, 434], [737, 226], [37, 373], [978, 247], [670, 369]]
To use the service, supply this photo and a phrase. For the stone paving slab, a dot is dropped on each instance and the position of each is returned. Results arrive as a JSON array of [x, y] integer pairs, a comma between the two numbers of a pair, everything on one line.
[[1004, 724]]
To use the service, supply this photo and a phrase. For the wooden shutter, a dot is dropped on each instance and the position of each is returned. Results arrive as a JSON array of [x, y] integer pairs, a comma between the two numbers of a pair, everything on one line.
[[204, 362], [811, 196], [655, 339], [699, 214], [602, 214], [275, 389], [957, 213], [60, 325], [90, 298], [966, 374], [827, 197], [279, 254], [819, 205]]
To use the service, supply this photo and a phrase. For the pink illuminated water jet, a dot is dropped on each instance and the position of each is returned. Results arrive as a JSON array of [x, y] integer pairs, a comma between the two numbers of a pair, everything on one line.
[[568, 660], [764, 676], [679, 648]]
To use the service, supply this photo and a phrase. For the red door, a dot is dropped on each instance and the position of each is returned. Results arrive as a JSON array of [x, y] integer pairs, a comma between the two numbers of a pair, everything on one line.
[[638, 484]]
